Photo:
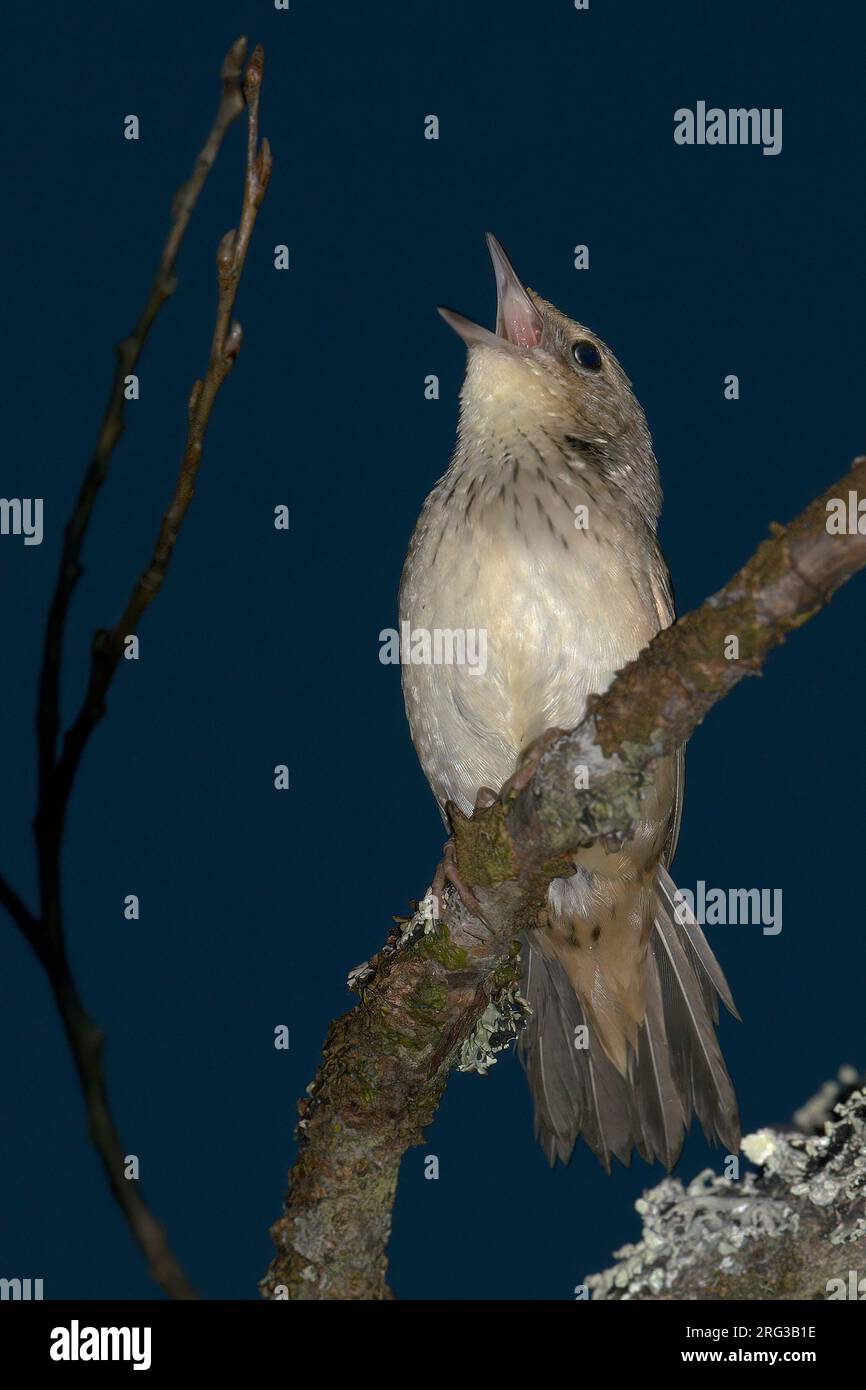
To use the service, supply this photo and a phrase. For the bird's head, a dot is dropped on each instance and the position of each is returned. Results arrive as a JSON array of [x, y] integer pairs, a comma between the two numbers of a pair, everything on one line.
[[541, 372]]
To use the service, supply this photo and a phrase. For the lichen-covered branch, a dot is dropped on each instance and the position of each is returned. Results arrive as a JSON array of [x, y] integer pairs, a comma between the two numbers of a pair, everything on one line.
[[424, 996], [793, 1230], [385, 1067], [45, 931]]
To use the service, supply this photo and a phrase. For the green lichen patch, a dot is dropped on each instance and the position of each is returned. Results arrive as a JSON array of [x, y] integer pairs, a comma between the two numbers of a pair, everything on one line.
[[425, 1010], [485, 851], [438, 946]]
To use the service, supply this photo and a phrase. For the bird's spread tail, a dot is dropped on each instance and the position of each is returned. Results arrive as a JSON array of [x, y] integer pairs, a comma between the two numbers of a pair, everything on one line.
[[674, 1068]]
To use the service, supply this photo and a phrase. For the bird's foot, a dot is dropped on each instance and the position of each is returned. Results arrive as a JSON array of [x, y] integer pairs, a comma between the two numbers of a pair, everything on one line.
[[528, 762]]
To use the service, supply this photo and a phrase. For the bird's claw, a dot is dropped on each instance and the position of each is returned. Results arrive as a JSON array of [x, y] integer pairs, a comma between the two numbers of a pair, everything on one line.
[[529, 760]]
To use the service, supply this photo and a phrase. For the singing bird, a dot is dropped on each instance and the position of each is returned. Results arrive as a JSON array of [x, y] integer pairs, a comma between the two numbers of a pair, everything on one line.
[[542, 536]]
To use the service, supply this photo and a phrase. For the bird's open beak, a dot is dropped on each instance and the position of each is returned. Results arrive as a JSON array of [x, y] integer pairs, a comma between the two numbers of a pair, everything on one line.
[[518, 322]]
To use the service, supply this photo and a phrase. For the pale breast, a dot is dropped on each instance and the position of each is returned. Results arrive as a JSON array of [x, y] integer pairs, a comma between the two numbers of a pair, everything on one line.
[[550, 586]]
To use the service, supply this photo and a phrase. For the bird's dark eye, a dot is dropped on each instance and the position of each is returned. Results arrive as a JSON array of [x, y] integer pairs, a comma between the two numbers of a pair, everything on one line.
[[586, 354]]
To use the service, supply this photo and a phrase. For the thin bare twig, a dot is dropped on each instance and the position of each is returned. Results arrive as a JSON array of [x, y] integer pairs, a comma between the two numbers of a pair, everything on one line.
[[127, 354], [21, 915], [225, 346], [52, 809], [56, 774], [386, 1062]]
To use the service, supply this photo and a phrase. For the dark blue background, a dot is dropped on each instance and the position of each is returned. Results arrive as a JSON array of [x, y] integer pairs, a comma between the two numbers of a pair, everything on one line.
[[556, 128]]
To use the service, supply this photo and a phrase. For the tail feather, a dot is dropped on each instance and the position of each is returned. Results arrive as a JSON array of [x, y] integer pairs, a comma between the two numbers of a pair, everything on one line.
[[659, 1101], [710, 968], [577, 1091], [709, 1086], [676, 1068]]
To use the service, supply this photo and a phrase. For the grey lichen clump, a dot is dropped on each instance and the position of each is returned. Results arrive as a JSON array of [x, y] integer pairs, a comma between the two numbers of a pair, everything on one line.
[[773, 1234], [690, 1230], [497, 1027]]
